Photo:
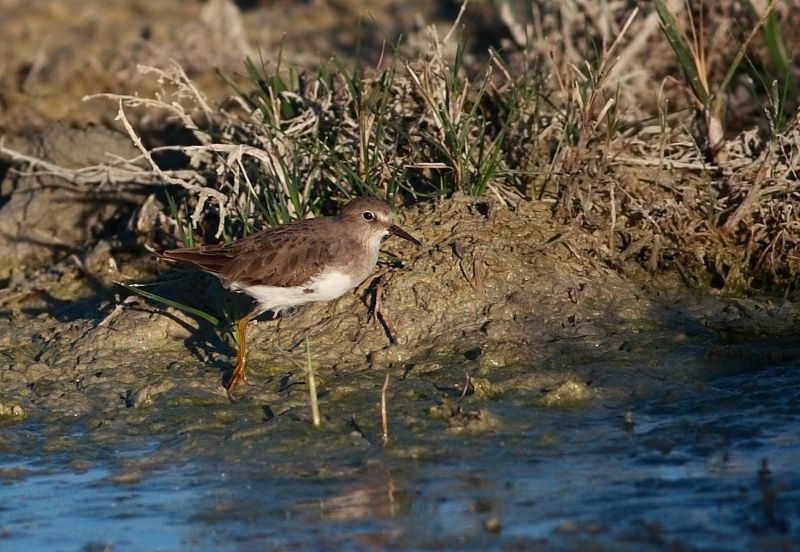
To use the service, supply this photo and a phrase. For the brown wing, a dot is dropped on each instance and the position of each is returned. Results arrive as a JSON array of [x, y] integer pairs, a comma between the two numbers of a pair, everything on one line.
[[284, 256], [209, 258]]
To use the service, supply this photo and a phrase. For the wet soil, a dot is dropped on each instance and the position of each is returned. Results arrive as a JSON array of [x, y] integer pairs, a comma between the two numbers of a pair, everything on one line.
[[521, 373]]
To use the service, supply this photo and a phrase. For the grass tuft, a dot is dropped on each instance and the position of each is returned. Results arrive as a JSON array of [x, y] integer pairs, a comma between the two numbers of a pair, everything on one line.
[[565, 122]]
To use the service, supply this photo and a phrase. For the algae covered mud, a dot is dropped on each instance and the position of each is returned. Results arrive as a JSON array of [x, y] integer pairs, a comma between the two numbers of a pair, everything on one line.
[[546, 403], [709, 463]]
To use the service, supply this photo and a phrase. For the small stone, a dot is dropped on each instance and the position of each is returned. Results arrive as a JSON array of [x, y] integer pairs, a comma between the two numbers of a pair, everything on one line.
[[11, 411], [569, 394], [500, 330], [476, 421], [484, 389], [145, 395], [442, 411], [393, 354], [493, 526], [628, 422], [492, 359]]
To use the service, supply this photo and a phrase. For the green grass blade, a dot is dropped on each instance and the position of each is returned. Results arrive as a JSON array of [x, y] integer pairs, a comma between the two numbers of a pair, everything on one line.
[[170, 303], [685, 59], [775, 43], [236, 88], [184, 226], [737, 60]]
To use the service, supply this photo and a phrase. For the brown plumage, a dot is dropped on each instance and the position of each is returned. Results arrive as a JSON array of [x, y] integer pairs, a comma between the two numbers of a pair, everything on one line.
[[277, 256], [300, 262]]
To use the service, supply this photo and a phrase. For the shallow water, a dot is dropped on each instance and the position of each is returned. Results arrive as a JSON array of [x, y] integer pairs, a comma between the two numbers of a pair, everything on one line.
[[688, 474]]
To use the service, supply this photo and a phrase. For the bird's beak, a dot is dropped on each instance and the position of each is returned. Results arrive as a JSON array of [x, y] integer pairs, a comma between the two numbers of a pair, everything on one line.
[[397, 231]]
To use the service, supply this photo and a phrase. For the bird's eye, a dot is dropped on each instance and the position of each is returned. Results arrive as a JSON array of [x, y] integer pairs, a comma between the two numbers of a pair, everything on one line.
[[368, 215]]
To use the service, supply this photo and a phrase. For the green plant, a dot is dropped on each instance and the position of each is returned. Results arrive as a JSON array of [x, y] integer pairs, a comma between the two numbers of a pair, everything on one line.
[[376, 140], [691, 54], [182, 221], [463, 141]]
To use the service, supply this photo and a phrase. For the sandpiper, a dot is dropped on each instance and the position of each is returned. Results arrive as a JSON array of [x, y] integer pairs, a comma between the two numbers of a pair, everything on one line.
[[301, 262]]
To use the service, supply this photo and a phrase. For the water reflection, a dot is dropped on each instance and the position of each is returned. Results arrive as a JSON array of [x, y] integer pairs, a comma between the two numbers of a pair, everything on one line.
[[687, 473], [374, 498]]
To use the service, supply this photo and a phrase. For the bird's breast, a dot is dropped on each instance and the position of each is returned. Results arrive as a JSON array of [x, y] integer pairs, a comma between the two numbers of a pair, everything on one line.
[[331, 284], [327, 286]]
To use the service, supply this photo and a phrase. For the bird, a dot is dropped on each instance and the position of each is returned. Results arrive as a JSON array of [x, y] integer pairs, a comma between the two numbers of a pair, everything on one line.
[[304, 261]]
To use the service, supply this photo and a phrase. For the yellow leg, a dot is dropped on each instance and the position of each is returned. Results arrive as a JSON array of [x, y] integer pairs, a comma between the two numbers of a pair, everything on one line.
[[240, 370]]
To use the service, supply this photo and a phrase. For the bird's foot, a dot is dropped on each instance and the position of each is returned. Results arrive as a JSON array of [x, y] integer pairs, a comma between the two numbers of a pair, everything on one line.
[[237, 376]]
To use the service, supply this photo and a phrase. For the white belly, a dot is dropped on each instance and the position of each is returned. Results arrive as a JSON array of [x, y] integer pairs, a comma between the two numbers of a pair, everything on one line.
[[325, 287]]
